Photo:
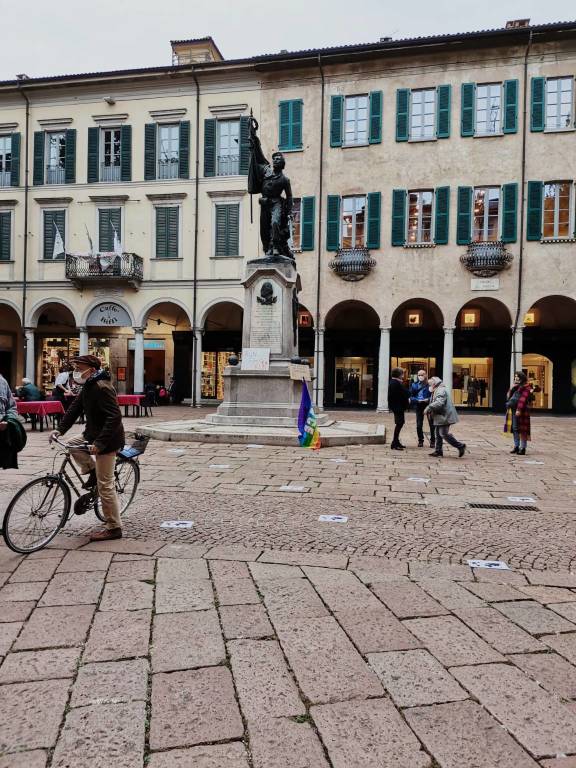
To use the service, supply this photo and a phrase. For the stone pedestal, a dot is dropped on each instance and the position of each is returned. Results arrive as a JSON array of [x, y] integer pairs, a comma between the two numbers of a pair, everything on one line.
[[269, 398]]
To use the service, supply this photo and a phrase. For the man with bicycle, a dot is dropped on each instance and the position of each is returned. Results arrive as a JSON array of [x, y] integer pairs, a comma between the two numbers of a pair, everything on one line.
[[104, 434]]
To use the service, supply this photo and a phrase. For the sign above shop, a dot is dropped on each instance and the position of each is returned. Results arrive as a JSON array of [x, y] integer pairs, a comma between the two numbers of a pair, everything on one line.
[[148, 344], [109, 315], [485, 284]]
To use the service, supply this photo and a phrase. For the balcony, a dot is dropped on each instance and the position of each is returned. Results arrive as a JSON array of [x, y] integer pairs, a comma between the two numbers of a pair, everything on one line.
[[486, 259], [55, 174], [109, 172], [228, 165], [168, 169], [352, 264], [5, 178], [105, 268]]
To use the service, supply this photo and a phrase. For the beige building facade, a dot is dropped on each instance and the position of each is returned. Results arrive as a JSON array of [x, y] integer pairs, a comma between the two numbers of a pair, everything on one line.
[[434, 218]]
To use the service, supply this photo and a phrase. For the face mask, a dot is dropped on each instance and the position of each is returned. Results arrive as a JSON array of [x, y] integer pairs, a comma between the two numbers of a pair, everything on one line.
[[78, 377], [421, 378]]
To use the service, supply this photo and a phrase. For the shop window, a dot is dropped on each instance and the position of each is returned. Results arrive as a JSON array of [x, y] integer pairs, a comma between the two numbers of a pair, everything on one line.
[[212, 381], [411, 366], [469, 319], [423, 114], [55, 352], [472, 381], [420, 216], [304, 319], [356, 120], [557, 209], [488, 109], [354, 381], [353, 219], [295, 241], [532, 317], [486, 214], [559, 103], [414, 318], [539, 370]]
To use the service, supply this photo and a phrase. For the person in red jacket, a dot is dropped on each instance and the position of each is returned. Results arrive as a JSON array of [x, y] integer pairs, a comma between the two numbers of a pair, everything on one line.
[[518, 412]]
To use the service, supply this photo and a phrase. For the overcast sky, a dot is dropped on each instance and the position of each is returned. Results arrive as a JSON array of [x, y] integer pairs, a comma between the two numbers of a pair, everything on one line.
[[68, 36]]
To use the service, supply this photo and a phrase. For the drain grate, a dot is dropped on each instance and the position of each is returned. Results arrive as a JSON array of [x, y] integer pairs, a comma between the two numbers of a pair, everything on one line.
[[513, 507]]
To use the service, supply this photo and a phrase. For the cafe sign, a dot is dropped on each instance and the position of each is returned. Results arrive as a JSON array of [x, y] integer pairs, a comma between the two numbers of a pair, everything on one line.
[[109, 315]]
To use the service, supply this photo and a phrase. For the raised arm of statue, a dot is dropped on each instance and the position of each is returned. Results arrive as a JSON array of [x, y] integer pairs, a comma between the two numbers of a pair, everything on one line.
[[258, 162]]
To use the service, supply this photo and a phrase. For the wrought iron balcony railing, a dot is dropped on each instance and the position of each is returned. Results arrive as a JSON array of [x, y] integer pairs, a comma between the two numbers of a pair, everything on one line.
[[109, 172], [5, 178], [105, 268], [168, 169], [55, 174], [228, 165], [352, 264], [486, 259]]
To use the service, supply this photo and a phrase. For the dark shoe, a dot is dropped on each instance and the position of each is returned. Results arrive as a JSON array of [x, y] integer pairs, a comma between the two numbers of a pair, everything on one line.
[[521, 451], [397, 447], [432, 445], [515, 449], [461, 450], [91, 481], [420, 445], [107, 534], [436, 453]]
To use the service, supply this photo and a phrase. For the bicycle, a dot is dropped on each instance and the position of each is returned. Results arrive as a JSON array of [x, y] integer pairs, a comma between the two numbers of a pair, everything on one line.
[[41, 508]]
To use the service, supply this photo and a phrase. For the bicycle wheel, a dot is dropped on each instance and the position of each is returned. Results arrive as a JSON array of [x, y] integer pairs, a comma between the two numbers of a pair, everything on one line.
[[126, 479], [36, 514]]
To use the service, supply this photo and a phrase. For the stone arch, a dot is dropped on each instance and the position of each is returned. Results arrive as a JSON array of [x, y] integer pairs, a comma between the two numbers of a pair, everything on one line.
[[35, 311], [235, 305], [494, 314], [432, 316], [144, 314], [13, 306], [100, 300], [554, 312], [364, 316]]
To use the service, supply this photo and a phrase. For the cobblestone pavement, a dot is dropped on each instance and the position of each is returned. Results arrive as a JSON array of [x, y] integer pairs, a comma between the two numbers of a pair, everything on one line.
[[263, 638]]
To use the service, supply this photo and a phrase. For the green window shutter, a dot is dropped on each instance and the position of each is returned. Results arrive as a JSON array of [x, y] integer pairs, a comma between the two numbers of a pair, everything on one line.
[[336, 120], [221, 230], [534, 211], [93, 155], [15, 160], [509, 212], [333, 223], [5, 235], [297, 109], [464, 220], [398, 216], [537, 115], [184, 150], [373, 230], [468, 105], [402, 113], [510, 122], [150, 152], [227, 230], [167, 220], [244, 145], [70, 161], [126, 153], [53, 219], [284, 115], [38, 172], [375, 132], [173, 227], [210, 147], [307, 213], [442, 215], [443, 104], [108, 220]]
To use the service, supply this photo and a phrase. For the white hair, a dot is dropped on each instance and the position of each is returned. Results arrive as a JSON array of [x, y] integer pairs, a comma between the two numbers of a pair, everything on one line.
[[26, 381], [434, 381]]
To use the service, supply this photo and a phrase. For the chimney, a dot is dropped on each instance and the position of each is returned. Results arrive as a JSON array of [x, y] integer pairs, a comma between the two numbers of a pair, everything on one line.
[[517, 23]]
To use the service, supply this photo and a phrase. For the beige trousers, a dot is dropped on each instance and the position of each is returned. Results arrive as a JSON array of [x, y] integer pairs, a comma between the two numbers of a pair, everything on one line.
[[104, 464]]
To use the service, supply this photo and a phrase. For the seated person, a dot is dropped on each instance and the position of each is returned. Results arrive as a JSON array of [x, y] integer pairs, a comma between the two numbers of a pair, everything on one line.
[[29, 392]]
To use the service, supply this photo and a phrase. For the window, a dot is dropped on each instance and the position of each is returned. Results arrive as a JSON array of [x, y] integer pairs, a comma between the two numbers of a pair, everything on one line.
[[290, 124], [5, 235], [557, 209], [488, 109], [227, 235], [295, 241], [109, 228], [111, 154], [559, 99], [420, 216], [353, 218], [423, 114], [486, 211], [228, 147], [54, 234], [167, 226], [356, 120], [168, 151], [5, 160], [55, 158]]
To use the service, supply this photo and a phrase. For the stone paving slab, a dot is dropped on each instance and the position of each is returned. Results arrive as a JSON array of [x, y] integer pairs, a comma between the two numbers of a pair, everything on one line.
[[285, 743], [28, 666], [232, 755], [534, 618], [245, 621], [549, 670], [73, 589], [407, 600], [37, 758], [186, 641], [59, 626], [116, 682], [564, 644], [502, 634], [451, 641], [375, 629], [30, 714], [118, 635]]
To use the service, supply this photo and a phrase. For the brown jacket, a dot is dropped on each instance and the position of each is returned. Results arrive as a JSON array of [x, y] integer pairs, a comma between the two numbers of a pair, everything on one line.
[[98, 402]]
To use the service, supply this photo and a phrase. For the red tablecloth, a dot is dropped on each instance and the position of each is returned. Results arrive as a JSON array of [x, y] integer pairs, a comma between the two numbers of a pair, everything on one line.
[[40, 407], [130, 399]]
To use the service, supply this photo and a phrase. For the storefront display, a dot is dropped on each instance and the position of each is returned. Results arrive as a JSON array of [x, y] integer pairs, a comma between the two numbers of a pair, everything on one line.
[[539, 371], [411, 366], [354, 383], [213, 364], [55, 352], [101, 348], [472, 381]]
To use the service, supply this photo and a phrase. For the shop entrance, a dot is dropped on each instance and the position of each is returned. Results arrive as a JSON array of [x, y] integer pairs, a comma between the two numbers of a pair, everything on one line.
[[472, 381], [411, 366], [56, 343], [539, 370], [354, 385], [416, 341], [10, 333], [222, 337]]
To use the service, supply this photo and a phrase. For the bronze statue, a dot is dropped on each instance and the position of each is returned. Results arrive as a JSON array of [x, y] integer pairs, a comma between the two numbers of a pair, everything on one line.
[[275, 210]]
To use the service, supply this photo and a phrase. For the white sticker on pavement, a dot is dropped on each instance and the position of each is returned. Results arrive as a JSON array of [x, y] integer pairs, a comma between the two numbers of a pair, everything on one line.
[[339, 461], [333, 519], [522, 499], [254, 445], [176, 451], [218, 466], [292, 488], [177, 524], [419, 479], [533, 461], [495, 565]]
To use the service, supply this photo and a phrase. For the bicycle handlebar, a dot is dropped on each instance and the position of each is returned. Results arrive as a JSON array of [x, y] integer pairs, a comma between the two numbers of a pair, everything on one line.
[[81, 446]]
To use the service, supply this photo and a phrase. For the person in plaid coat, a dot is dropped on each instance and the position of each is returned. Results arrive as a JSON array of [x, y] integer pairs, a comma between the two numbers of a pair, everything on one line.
[[518, 412]]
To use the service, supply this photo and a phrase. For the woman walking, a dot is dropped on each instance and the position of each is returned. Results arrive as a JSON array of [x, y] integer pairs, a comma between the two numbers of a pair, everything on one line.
[[443, 415], [518, 412]]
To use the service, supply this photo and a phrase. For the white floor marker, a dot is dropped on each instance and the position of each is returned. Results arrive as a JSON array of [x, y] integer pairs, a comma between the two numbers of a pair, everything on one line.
[[419, 479], [219, 466], [522, 499], [291, 487], [495, 565], [177, 524], [333, 519], [533, 461]]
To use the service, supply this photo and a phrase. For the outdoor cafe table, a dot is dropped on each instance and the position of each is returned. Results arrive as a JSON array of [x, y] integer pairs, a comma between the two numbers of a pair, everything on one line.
[[40, 408], [133, 400]]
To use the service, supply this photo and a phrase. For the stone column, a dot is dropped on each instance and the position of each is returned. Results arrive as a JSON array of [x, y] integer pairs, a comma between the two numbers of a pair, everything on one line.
[[30, 356], [83, 340], [139, 361], [516, 351], [318, 395], [383, 369], [197, 383], [448, 355]]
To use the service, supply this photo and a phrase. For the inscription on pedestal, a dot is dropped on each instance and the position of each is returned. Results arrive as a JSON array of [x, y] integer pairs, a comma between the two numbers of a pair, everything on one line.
[[266, 320]]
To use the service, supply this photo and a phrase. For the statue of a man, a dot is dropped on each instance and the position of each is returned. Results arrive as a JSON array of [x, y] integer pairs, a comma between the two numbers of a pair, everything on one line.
[[275, 210]]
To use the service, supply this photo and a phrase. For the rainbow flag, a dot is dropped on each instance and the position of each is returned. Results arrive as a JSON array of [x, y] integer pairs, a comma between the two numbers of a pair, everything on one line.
[[309, 435]]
